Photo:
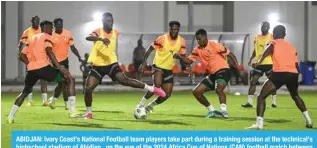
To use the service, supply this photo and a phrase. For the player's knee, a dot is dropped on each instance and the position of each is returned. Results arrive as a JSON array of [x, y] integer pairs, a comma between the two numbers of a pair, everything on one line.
[[196, 93], [27, 90], [219, 91], [295, 96], [253, 83], [89, 89]]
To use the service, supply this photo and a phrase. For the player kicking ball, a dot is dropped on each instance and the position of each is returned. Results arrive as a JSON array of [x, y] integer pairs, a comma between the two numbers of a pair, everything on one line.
[[105, 62], [37, 56], [285, 72], [212, 56], [165, 46]]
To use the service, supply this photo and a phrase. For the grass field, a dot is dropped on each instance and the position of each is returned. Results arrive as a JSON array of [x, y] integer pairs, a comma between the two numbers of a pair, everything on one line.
[[114, 111]]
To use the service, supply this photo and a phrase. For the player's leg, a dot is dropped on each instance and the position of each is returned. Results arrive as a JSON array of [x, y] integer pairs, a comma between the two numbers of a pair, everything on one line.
[[292, 87], [274, 99], [198, 92], [157, 80], [221, 80], [65, 95], [254, 79], [267, 88], [167, 88], [44, 92], [57, 93], [126, 81], [30, 81]]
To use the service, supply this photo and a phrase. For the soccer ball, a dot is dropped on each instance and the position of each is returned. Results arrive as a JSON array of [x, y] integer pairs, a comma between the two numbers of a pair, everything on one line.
[[140, 113]]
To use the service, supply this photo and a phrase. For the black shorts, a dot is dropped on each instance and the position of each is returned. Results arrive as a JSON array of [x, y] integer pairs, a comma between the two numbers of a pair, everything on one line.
[[261, 69], [136, 65], [47, 73], [222, 75], [287, 78], [168, 76], [100, 71], [65, 63]]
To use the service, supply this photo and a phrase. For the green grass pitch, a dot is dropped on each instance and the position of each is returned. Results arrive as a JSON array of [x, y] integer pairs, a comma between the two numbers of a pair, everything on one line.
[[114, 111]]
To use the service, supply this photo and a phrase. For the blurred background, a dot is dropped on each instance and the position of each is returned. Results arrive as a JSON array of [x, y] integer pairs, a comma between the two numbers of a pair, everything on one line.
[[233, 23]]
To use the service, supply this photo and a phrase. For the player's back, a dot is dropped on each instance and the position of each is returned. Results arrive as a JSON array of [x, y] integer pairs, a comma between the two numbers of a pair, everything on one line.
[[36, 51], [284, 56]]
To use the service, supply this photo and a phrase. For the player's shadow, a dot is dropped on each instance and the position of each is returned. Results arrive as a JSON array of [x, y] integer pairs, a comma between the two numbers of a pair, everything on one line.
[[253, 119], [190, 115], [164, 122], [105, 111], [83, 124]]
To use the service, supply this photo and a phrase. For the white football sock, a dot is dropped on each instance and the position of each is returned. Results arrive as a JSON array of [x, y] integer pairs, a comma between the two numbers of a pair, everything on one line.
[[14, 109], [143, 101], [307, 117], [30, 96], [223, 107], [72, 103], [274, 99], [149, 88], [259, 121], [44, 97], [210, 108], [89, 110], [250, 98]]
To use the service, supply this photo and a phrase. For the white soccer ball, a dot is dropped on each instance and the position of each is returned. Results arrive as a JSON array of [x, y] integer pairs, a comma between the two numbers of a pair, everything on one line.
[[140, 113], [237, 94]]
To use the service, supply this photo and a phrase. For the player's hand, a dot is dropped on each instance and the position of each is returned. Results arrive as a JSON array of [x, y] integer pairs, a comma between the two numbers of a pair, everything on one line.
[[141, 68], [177, 56], [106, 41], [254, 65], [250, 63]]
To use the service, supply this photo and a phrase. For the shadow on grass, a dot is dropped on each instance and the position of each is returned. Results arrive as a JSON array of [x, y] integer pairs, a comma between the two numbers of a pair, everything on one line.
[[164, 122], [83, 124], [104, 111]]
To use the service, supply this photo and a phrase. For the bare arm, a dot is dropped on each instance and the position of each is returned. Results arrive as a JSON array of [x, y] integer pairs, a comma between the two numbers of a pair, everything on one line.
[[267, 52], [24, 58], [50, 54], [235, 62], [183, 58], [93, 38], [20, 46], [147, 54], [75, 51], [252, 56]]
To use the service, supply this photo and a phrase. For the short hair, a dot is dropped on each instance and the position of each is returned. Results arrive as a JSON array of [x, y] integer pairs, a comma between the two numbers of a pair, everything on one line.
[[279, 31], [201, 32], [58, 20], [172, 23], [107, 14], [44, 23], [265, 22], [34, 17]]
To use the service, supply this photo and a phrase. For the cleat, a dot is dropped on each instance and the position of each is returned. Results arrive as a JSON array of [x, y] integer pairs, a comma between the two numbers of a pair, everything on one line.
[[224, 114], [255, 127], [211, 114], [30, 103], [247, 105], [9, 121], [45, 103], [159, 92], [309, 125], [149, 109], [88, 116], [274, 106], [74, 115], [52, 105]]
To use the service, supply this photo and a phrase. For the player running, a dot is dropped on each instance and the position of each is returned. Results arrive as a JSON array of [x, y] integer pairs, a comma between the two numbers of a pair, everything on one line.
[[62, 39], [27, 36], [36, 56], [285, 72], [265, 67], [212, 56], [166, 46], [105, 62]]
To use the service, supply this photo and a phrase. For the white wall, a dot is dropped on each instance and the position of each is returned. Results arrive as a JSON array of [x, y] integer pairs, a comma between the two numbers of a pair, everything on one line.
[[11, 40], [313, 51], [248, 16]]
